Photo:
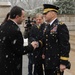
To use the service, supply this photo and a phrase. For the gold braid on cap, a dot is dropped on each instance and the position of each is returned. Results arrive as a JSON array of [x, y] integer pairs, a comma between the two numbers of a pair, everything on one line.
[[49, 9]]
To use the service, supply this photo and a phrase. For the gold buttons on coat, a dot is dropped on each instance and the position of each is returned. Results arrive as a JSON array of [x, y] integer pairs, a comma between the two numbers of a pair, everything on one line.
[[46, 44], [46, 39], [46, 48], [46, 35]]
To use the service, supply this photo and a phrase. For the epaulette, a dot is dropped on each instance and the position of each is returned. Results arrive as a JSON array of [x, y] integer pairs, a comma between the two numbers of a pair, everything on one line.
[[60, 23]]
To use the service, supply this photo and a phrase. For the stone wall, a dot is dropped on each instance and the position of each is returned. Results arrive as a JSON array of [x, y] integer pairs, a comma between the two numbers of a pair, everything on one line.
[[4, 9], [69, 20]]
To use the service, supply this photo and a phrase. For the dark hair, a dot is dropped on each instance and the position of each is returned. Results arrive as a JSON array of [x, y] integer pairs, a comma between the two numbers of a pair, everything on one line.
[[16, 10], [6, 18]]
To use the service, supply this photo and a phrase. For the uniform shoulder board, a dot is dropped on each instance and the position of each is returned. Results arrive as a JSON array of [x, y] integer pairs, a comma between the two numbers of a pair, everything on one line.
[[60, 23]]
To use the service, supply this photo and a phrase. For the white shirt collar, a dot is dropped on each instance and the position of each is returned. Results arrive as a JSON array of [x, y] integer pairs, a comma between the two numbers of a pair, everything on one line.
[[52, 21]]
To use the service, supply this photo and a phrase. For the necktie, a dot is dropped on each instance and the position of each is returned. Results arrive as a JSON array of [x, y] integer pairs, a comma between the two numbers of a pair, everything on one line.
[[38, 26]]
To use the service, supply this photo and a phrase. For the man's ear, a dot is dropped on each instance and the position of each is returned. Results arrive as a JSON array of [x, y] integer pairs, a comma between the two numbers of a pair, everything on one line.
[[17, 16]]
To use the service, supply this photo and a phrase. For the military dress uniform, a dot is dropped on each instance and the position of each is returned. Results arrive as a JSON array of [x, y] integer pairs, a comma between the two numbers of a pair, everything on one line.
[[55, 42], [56, 46], [36, 33]]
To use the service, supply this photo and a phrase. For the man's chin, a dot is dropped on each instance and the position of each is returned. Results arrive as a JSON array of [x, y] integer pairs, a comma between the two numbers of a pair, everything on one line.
[[20, 23]]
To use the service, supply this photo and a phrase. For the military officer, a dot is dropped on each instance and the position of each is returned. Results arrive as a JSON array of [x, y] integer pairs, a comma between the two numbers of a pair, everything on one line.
[[56, 42], [36, 33]]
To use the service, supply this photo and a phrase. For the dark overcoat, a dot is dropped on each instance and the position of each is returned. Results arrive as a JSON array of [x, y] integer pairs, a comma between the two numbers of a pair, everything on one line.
[[56, 45], [11, 49], [36, 33]]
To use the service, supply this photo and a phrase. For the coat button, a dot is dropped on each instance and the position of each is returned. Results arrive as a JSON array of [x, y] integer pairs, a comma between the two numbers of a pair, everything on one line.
[[48, 58], [46, 48], [46, 35], [46, 44], [46, 39]]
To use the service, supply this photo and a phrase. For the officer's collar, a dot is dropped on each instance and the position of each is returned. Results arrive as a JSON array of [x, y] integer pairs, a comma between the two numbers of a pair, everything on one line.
[[52, 21]]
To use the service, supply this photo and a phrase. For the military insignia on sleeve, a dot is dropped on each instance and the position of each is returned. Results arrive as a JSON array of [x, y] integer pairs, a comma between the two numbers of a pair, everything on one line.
[[61, 23]]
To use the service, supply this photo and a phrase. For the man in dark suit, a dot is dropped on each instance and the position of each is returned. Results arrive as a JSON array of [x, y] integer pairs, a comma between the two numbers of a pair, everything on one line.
[[36, 33], [56, 42], [11, 44]]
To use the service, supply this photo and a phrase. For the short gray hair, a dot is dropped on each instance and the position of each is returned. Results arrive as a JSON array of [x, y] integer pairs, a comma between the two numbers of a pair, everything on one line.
[[39, 14]]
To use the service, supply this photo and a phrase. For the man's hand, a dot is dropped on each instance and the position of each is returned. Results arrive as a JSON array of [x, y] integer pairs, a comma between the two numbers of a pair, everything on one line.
[[62, 67], [43, 56], [35, 44]]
